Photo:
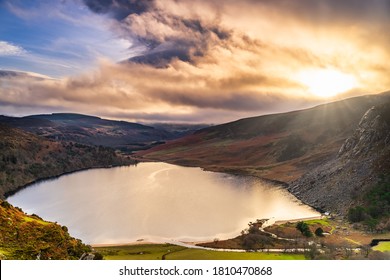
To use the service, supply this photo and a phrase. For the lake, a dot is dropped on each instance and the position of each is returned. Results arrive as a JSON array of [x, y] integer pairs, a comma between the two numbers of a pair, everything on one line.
[[156, 202]]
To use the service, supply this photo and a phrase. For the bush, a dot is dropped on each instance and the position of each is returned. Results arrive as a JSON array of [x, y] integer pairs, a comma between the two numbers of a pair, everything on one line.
[[5, 204], [98, 256], [304, 229], [356, 214], [255, 241], [371, 224], [319, 232]]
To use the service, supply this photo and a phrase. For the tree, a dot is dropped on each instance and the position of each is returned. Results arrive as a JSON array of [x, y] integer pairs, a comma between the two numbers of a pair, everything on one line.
[[371, 224]]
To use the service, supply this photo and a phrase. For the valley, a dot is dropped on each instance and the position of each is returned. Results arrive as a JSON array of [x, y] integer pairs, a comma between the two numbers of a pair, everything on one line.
[[90, 130], [334, 157], [306, 150]]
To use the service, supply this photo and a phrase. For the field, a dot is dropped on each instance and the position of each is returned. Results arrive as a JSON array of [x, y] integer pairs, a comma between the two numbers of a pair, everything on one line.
[[174, 252], [382, 247]]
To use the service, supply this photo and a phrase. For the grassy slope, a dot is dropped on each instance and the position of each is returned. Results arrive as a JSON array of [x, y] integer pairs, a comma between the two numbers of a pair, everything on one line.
[[197, 254], [279, 147], [25, 157], [25, 237]]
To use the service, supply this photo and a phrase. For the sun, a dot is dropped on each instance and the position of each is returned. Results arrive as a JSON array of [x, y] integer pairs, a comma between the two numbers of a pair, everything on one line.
[[326, 82]]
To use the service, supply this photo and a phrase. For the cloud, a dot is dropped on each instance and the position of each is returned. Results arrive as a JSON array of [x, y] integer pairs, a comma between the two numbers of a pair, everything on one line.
[[9, 49], [181, 29], [166, 35], [127, 90], [119, 9], [214, 61]]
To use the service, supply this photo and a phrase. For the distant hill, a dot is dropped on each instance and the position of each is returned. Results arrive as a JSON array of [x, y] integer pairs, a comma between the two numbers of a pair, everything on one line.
[[25, 158], [91, 130], [278, 147]]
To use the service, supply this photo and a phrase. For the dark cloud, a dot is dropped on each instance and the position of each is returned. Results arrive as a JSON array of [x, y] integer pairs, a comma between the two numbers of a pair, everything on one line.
[[161, 59], [187, 37], [7, 73], [119, 9], [237, 101]]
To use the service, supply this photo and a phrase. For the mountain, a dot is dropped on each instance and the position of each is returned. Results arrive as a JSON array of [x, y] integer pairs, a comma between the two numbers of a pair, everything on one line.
[[91, 130], [330, 156], [25, 158], [278, 147], [352, 178]]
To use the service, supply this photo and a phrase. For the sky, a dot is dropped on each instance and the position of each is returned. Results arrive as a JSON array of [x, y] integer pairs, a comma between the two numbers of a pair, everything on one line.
[[194, 61]]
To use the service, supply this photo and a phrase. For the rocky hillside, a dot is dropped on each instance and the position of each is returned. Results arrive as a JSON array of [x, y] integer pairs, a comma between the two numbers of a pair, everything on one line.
[[26, 237], [361, 163], [331, 156], [25, 158], [279, 147]]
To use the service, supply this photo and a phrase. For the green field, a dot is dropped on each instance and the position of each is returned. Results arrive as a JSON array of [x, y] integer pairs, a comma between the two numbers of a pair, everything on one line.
[[323, 222], [382, 246], [198, 254], [174, 252]]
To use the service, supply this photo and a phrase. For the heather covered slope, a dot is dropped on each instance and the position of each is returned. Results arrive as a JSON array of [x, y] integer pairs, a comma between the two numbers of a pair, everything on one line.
[[90, 130], [25, 236], [25, 158], [279, 147]]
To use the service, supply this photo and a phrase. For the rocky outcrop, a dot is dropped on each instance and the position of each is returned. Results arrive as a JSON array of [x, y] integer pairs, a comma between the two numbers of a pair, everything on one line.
[[372, 132], [340, 183]]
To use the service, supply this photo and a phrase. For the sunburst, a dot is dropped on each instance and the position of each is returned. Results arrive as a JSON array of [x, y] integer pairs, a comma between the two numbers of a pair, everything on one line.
[[327, 83]]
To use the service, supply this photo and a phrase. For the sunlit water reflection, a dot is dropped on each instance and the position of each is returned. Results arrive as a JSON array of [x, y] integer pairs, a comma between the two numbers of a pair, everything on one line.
[[156, 202]]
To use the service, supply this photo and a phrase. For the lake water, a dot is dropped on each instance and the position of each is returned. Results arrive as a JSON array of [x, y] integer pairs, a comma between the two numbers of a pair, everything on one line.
[[156, 202]]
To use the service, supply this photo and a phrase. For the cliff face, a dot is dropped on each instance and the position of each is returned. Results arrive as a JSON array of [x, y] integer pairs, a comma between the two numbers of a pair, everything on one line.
[[343, 181], [372, 133]]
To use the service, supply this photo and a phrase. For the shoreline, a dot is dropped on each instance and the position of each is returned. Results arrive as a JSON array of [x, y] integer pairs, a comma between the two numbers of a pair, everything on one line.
[[54, 177], [194, 244]]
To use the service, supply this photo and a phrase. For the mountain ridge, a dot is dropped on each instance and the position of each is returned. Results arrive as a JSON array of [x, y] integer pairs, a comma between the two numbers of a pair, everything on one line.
[[288, 147], [278, 147], [92, 130]]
